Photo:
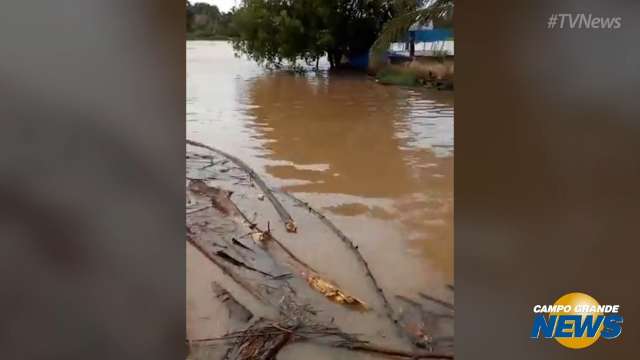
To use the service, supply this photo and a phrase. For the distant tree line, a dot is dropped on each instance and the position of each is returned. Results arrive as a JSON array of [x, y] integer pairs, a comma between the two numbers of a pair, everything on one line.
[[206, 21]]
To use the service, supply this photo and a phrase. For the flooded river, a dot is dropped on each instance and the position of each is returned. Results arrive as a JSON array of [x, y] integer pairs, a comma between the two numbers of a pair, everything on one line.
[[377, 160]]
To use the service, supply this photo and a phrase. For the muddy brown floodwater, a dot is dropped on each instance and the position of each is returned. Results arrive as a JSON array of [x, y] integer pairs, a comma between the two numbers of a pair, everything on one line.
[[377, 160]]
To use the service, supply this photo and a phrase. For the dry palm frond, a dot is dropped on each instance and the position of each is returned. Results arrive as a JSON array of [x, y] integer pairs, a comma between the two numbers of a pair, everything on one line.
[[333, 292]]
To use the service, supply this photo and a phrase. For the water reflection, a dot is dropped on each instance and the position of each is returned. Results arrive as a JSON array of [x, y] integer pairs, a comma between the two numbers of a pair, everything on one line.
[[378, 158], [381, 152], [348, 135]]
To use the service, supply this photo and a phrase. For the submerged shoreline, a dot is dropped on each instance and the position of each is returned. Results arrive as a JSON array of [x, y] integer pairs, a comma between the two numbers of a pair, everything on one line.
[[376, 161], [252, 252]]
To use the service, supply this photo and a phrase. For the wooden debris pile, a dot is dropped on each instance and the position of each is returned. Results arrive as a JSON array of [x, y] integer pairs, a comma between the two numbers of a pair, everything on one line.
[[253, 257]]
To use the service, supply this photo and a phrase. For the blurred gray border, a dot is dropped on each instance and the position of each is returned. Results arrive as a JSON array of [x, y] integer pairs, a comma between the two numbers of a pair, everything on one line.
[[547, 146], [92, 179], [91, 184]]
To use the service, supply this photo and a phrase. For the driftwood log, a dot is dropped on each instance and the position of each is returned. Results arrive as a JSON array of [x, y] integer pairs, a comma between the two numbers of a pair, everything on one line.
[[354, 248], [286, 218], [265, 338]]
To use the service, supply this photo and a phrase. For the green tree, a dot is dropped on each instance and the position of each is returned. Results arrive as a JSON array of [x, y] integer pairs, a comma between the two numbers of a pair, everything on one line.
[[270, 31]]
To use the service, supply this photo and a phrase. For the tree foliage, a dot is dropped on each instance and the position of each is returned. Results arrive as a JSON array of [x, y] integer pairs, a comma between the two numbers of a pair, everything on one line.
[[206, 21], [270, 31]]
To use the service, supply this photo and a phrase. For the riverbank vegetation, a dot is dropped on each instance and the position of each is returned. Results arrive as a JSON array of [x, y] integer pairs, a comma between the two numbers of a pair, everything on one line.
[[274, 33], [413, 76], [207, 22], [395, 75]]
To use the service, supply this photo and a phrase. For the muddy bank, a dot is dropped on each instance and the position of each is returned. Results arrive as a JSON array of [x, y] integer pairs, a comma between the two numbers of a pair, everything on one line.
[[256, 290]]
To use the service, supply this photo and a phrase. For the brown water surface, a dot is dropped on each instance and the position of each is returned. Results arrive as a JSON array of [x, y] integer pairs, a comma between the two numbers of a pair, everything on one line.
[[378, 160]]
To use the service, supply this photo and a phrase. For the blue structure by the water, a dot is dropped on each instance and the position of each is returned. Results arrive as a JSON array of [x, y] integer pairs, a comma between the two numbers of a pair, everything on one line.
[[431, 35], [420, 35], [360, 61]]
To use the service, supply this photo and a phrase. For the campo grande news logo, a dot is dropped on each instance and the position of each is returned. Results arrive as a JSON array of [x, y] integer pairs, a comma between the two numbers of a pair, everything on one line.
[[576, 321]]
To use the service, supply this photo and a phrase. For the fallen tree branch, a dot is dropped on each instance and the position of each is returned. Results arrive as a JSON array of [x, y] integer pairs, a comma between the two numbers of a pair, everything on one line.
[[238, 243], [193, 211], [304, 333], [281, 342], [232, 336], [286, 218], [236, 309], [239, 263], [226, 271], [221, 200], [437, 301], [290, 253], [392, 352], [265, 341], [354, 248], [421, 307]]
